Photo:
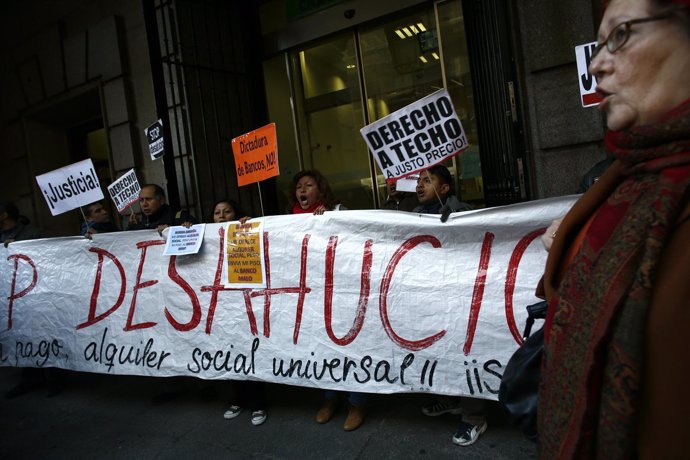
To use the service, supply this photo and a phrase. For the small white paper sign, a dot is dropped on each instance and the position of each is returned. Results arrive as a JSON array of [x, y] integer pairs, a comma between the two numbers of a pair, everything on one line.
[[407, 184], [182, 241], [588, 83], [125, 191], [71, 186]]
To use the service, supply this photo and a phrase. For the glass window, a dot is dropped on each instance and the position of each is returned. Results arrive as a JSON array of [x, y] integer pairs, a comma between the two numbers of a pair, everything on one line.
[[329, 116]]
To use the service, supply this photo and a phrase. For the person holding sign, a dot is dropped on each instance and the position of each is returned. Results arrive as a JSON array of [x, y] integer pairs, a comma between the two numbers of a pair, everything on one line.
[[398, 200], [97, 220], [435, 192], [157, 214], [310, 193], [248, 394], [613, 384]]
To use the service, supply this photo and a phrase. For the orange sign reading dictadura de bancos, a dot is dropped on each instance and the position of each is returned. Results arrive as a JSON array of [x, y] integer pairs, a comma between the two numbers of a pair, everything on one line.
[[256, 155]]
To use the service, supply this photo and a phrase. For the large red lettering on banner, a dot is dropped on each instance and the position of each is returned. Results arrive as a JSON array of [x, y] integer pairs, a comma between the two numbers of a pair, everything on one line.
[[92, 318], [365, 284], [138, 285], [18, 295], [413, 345]]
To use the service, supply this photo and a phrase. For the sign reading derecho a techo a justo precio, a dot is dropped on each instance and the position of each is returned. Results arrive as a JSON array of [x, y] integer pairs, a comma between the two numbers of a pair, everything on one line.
[[417, 136], [125, 190], [71, 186]]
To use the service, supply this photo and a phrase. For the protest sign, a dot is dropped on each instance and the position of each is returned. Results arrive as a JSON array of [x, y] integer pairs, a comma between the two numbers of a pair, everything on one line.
[[417, 136], [407, 184], [69, 187], [183, 241], [245, 255], [154, 135], [374, 301], [256, 155], [125, 191], [587, 81]]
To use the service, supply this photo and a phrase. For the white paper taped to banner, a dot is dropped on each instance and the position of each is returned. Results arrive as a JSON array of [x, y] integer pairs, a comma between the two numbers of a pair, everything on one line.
[[373, 301]]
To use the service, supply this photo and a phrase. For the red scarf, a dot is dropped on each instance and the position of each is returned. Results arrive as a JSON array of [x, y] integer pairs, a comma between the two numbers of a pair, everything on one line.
[[297, 209], [589, 395]]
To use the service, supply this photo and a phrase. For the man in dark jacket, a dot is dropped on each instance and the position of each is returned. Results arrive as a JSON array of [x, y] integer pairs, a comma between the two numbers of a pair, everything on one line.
[[157, 214], [435, 190], [97, 220]]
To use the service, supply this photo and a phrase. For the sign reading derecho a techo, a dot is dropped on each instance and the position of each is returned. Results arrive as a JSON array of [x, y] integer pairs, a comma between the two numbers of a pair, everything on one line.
[[125, 190], [69, 187], [417, 136]]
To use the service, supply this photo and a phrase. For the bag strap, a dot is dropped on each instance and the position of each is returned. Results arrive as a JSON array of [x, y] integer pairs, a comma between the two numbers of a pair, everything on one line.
[[534, 311]]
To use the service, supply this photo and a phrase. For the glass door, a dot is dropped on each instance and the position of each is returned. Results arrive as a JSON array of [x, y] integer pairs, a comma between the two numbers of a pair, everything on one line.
[[347, 81]]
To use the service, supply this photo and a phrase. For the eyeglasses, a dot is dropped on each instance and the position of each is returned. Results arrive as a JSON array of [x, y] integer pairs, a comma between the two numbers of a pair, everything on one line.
[[620, 34]]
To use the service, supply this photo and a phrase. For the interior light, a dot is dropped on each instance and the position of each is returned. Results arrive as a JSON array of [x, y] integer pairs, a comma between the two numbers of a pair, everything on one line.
[[407, 31], [350, 66], [435, 55], [414, 29], [400, 34], [423, 59], [421, 27]]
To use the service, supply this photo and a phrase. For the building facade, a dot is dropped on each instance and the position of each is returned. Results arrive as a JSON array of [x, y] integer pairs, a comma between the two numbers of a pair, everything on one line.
[[85, 78]]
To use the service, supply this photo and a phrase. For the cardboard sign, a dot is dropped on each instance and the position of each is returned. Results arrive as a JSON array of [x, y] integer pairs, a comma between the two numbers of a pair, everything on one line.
[[183, 241], [256, 155], [416, 137], [587, 81], [245, 255], [154, 134], [125, 191], [69, 187], [372, 301]]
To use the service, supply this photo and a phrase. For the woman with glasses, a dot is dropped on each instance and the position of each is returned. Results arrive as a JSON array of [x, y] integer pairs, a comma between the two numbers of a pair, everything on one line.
[[617, 278]]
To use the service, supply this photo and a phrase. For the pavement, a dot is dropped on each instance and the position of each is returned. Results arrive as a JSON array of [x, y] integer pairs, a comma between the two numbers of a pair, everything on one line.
[[103, 417]]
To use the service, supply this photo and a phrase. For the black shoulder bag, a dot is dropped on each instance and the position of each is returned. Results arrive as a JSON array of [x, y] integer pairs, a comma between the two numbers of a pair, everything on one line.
[[520, 382]]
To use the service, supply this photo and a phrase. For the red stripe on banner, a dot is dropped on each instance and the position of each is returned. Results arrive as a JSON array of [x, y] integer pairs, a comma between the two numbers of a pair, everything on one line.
[[591, 99]]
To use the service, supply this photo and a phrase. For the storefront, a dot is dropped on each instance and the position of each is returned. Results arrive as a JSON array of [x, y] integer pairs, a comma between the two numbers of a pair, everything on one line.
[[364, 62]]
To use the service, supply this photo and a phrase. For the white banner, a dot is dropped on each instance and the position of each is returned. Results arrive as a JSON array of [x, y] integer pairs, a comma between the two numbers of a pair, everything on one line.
[[417, 136], [69, 187], [373, 301], [125, 190]]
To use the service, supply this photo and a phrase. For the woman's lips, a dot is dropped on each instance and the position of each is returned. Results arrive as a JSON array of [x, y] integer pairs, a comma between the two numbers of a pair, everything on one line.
[[604, 98]]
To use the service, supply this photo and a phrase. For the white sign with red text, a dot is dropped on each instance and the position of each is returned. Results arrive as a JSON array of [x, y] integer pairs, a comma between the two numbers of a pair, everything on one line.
[[587, 81], [417, 136], [373, 301]]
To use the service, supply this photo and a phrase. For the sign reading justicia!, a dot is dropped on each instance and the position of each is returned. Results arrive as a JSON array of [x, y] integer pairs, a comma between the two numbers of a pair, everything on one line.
[[69, 187]]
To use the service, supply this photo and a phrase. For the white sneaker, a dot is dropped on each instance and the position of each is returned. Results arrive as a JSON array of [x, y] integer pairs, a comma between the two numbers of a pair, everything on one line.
[[232, 412], [468, 434], [259, 417]]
